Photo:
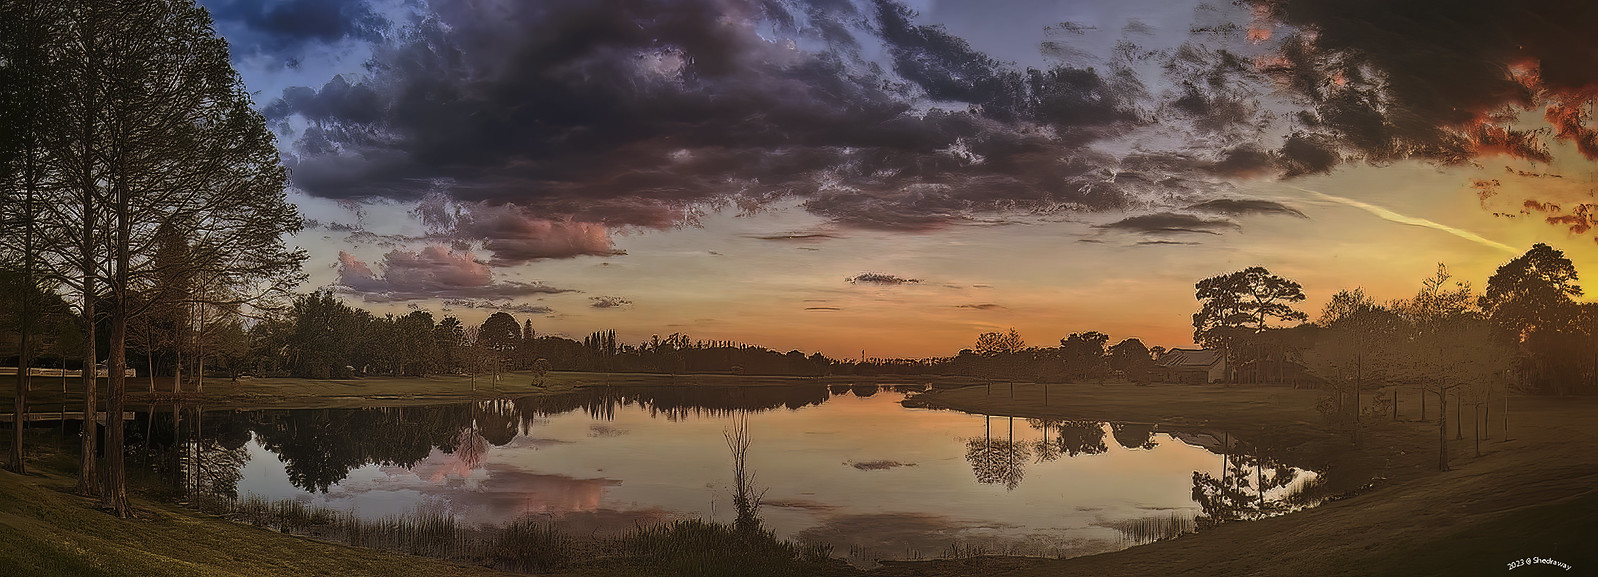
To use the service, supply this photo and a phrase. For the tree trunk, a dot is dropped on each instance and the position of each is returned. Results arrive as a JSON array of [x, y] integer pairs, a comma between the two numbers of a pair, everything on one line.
[[199, 346], [20, 401], [177, 368], [1395, 403], [1259, 482], [88, 480], [1358, 374], [115, 495], [1486, 416], [1506, 416], [1442, 430], [1476, 432], [1459, 418], [1423, 403], [149, 431]]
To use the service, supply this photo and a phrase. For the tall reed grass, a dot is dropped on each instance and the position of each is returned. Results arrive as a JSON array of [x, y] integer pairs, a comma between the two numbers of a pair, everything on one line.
[[1150, 529]]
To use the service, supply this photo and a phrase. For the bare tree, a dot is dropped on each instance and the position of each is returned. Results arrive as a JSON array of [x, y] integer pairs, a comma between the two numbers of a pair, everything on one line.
[[28, 114], [745, 499]]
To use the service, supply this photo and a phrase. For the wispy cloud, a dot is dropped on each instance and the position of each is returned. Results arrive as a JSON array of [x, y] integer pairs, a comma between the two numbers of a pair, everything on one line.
[[980, 307], [605, 302], [1389, 215]]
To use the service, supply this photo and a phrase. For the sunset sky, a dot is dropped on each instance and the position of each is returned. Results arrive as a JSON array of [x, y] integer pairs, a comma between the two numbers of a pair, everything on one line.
[[731, 168]]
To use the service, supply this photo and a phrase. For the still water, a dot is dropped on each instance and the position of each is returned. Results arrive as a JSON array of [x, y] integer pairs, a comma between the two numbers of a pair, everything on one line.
[[850, 467]]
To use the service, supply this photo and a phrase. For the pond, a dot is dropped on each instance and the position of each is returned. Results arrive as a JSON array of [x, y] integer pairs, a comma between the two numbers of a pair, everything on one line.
[[848, 466]]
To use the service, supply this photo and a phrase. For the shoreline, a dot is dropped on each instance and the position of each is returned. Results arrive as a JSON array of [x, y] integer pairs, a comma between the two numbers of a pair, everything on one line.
[[1531, 496], [1534, 495]]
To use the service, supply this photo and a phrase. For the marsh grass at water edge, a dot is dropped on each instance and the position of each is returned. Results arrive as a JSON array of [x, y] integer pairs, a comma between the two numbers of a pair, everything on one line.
[[683, 547]]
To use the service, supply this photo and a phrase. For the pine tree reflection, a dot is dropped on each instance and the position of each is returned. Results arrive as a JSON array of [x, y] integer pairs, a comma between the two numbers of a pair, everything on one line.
[[1249, 470]]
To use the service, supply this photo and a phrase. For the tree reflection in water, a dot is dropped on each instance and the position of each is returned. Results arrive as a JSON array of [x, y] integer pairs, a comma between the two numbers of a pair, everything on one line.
[[319, 447], [1133, 435], [197, 457], [203, 453], [998, 461], [1249, 470]]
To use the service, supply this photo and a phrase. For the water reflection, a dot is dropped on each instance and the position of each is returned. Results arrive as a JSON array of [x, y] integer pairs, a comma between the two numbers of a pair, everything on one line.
[[830, 458], [998, 461], [1250, 485]]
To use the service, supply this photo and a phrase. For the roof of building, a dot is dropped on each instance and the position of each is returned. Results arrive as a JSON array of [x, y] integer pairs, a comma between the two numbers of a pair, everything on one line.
[[1190, 358]]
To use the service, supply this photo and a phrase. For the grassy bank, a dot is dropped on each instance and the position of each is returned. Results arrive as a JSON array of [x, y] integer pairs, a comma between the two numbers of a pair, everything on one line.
[[45, 530], [1531, 496]]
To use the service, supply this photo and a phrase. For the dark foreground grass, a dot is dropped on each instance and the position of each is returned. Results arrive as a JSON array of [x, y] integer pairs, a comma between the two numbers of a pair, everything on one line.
[[1561, 531], [695, 547], [687, 547]]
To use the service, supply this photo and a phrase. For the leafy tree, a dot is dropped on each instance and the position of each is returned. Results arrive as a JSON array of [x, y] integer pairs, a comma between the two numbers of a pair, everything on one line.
[[499, 332], [320, 336], [541, 368], [1132, 359], [1533, 298], [997, 343], [1535, 291], [418, 351], [1344, 303], [1083, 354], [1243, 303], [450, 339]]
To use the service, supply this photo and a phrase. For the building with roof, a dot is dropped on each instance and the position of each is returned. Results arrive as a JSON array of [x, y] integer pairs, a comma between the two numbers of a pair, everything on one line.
[[1191, 366]]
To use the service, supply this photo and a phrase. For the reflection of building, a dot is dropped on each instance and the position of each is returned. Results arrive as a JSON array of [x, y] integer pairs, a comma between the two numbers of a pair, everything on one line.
[[1192, 366]]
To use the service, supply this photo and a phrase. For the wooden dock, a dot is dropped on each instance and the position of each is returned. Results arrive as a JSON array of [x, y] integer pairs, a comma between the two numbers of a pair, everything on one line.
[[58, 416]]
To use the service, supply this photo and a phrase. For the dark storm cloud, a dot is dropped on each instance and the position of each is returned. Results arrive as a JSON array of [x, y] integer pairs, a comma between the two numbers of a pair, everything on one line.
[[1170, 223], [545, 127], [1246, 206], [279, 26], [1437, 79], [634, 114]]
